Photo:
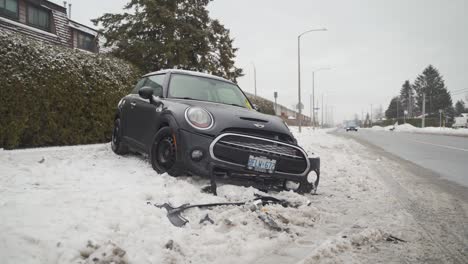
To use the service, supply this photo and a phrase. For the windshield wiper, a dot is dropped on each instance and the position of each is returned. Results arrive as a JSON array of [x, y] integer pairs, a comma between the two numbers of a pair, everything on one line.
[[237, 105]]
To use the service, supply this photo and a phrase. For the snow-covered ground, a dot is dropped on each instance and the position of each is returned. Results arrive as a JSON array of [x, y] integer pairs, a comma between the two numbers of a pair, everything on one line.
[[84, 204], [428, 130]]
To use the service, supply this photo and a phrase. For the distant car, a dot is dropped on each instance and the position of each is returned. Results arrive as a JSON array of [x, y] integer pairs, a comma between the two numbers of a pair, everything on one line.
[[191, 123], [351, 128]]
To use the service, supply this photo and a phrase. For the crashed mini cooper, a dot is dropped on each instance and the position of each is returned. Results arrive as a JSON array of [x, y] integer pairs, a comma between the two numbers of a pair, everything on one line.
[[191, 123]]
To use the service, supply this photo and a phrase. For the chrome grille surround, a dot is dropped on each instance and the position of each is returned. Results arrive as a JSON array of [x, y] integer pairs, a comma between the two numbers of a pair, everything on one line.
[[281, 149]]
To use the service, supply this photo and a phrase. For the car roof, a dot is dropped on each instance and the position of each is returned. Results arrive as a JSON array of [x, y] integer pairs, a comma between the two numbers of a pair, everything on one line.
[[193, 73]]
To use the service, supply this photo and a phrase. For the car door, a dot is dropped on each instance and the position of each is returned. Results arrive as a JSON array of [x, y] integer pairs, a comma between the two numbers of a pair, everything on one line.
[[143, 117]]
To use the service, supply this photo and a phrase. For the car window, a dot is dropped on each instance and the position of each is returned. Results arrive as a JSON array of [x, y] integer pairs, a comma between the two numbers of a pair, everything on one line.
[[138, 86], [206, 89], [156, 82]]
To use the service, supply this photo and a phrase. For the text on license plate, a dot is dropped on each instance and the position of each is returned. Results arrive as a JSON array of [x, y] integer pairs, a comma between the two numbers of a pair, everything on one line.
[[261, 164]]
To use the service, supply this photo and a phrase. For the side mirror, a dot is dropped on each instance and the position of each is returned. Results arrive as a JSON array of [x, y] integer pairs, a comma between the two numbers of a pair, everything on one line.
[[146, 93]]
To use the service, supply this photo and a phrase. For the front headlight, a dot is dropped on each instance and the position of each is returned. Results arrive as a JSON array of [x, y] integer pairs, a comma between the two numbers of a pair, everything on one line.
[[199, 118]]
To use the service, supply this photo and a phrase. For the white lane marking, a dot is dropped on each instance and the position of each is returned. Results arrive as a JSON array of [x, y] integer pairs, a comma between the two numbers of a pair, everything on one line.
[[442, 146]]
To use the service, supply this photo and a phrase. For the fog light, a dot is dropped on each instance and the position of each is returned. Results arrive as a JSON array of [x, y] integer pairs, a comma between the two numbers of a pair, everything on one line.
[[312, 177], [291, 185], [197, 155]]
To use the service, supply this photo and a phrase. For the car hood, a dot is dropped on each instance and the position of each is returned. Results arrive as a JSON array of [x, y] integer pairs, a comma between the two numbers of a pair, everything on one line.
[[233, 117]]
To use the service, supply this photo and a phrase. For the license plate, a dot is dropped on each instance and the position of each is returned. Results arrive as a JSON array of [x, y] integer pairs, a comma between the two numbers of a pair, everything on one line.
[[261, 164]]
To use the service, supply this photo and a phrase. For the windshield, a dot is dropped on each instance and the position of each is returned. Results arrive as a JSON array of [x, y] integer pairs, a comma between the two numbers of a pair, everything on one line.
[[206, 89]]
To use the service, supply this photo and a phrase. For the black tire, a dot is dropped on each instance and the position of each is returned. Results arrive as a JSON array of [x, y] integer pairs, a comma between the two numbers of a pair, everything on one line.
[[117, 145], [163, 153]]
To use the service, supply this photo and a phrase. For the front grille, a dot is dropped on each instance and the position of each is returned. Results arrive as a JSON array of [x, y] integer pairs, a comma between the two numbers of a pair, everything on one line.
[[236, 148], [261, 133]]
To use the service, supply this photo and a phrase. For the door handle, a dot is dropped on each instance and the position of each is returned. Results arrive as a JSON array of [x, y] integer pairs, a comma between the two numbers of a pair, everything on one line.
[[133, 104]]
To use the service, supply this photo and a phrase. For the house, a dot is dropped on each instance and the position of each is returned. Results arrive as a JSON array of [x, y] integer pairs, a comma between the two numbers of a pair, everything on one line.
[[47, 22]]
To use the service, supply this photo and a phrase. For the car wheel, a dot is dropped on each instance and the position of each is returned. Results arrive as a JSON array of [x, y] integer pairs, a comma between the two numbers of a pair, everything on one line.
[[164, 153], [117, 145]]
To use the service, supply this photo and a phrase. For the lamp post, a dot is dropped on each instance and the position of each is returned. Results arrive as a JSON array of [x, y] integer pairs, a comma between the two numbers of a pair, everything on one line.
[[255, 78], [299, 70], [313, 93]]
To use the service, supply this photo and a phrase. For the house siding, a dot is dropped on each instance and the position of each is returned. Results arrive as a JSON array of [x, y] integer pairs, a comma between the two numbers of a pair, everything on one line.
[[61, 27], [60, 32], [22, 11]]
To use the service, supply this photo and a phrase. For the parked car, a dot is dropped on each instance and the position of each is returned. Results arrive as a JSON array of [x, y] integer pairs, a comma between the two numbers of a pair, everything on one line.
[[191, 123]]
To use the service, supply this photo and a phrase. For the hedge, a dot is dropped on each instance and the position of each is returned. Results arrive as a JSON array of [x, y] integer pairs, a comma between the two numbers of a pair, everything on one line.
[[266, 106], [53, 95]]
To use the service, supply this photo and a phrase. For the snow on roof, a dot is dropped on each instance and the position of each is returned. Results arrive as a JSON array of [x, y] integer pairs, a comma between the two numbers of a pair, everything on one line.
[[82, 28]]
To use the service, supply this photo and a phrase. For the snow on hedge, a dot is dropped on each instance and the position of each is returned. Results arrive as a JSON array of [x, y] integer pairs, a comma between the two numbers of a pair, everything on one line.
[[54, 95]]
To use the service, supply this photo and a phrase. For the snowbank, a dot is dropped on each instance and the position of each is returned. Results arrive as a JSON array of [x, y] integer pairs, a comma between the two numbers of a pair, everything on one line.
[[84, 204], [427, 130]]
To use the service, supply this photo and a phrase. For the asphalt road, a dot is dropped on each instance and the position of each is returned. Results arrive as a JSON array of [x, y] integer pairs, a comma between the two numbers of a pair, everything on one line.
[[445, 155]]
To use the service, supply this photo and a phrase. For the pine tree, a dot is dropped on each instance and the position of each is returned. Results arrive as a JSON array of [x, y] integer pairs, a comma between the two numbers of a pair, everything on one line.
[[393, 107], [460, 108], [161, 34], [407, 98], [431, 83]]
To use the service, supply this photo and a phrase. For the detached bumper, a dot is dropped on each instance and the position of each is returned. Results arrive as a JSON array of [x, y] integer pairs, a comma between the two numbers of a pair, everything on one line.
[[225, 159]]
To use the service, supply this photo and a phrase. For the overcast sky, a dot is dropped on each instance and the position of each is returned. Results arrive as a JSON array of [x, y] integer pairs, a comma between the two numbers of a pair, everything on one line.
[[371, 46]]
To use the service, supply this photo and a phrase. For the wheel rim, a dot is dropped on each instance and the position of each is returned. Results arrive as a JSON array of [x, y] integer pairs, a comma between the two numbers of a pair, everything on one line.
[[165, 153]]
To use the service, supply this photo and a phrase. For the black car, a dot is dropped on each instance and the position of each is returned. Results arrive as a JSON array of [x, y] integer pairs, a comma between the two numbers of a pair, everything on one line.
[[191, 123]]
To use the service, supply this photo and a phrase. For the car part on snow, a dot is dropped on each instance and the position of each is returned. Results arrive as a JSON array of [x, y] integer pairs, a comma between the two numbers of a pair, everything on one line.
[[175, 217], [394, 239], [270, 222], [206, 219]]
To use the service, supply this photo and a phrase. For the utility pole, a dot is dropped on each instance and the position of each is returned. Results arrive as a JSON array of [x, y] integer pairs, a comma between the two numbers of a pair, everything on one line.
[[370, 121], [313, 100], [398, 100], [299, 80], [255, 79], [322, 110], [311, 109], [440, 118], [275, 94], [423, 110]]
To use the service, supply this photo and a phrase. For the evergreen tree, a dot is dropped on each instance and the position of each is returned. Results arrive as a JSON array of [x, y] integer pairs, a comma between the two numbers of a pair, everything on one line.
[[407, 98], [393, 107], [160, 34], [431, 83], [367, 122], [460, 108]]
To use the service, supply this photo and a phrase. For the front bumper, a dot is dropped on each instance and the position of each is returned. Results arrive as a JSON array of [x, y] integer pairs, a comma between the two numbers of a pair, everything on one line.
[[229, 171]]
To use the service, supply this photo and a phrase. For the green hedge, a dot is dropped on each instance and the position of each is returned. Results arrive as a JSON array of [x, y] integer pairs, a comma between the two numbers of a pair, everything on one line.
[[52, 95], [266, 106]]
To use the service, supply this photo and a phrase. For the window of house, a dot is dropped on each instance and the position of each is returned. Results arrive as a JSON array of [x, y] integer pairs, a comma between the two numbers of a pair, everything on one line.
[[38, 17], [85, 41], [9, 8]]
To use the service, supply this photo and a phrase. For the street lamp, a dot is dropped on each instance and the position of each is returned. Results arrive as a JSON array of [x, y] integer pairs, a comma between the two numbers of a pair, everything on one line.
[[312, 114], [255, 78], [299, 70]]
